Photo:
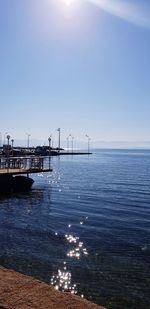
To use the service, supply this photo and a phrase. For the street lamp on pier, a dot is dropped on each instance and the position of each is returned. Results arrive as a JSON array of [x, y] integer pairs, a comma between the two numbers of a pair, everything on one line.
[[8, 138], [68, 142], [88, 143], [72, 142], [49, 141], [28, 137], [58, 139], [12, 145]]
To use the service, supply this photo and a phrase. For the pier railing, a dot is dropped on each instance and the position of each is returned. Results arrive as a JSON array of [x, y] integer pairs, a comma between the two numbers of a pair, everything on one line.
[[23, 165]]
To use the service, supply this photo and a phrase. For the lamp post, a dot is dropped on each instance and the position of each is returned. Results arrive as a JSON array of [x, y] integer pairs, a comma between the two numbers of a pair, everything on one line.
[[72, 142], [68, 142], [88, 143], [58, 139], [28, 137], [8, 138], [12, 145], [49, 141]]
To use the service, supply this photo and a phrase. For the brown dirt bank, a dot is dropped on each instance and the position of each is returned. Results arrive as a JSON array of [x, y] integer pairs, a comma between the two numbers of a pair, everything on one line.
[[18, 291]]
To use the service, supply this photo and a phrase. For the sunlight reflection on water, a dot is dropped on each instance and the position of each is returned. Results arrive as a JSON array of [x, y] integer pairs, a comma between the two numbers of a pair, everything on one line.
[[62, 279], [78, 251]]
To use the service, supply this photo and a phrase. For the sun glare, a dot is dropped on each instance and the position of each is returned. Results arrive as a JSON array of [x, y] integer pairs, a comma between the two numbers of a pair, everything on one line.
[[68, 2]]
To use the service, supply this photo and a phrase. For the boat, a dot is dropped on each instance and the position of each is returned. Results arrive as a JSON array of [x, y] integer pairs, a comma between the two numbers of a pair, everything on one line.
[[13, 184], [14, 172]]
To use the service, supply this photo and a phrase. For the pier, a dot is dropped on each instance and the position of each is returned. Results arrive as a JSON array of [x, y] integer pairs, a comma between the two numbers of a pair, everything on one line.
[[79, 153], [40, 151], [13, 170], [23, 165], [18, 161]]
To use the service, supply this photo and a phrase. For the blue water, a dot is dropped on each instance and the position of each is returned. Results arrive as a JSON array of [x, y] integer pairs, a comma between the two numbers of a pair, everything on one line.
[[85, 227]]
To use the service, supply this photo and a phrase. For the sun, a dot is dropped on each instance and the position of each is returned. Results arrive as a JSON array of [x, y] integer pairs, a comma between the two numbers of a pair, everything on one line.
[[68, 2]]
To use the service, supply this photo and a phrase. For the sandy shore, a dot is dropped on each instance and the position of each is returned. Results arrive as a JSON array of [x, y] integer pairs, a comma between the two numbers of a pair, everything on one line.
[[18, 291]]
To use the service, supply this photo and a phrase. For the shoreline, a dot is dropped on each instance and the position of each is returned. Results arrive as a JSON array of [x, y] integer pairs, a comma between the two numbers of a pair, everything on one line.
[[18, 291]]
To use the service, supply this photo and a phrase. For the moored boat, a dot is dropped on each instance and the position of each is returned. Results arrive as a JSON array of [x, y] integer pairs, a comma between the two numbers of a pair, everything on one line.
[[12, 184]]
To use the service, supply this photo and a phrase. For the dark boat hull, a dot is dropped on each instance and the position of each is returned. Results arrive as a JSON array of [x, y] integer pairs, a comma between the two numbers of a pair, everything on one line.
[[12, 184]]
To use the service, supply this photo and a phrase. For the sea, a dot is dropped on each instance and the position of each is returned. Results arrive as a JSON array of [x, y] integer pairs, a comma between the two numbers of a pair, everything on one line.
[[85, 227]]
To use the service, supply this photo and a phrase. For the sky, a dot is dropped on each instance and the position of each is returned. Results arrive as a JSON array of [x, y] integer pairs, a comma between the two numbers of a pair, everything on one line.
[[79, 65]]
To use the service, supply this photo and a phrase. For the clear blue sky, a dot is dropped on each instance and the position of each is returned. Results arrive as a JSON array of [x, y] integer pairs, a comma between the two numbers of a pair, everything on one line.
[[83, 67]]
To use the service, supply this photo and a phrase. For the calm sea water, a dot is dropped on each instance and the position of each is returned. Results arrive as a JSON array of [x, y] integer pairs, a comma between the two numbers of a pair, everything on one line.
[[85, 227]]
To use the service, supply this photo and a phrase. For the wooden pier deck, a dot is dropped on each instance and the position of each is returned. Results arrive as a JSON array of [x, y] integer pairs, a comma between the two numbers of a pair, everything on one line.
[[21, 171]]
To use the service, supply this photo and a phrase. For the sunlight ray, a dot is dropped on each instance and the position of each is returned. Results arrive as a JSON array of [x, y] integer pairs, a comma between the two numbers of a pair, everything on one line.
[[128, 11]]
